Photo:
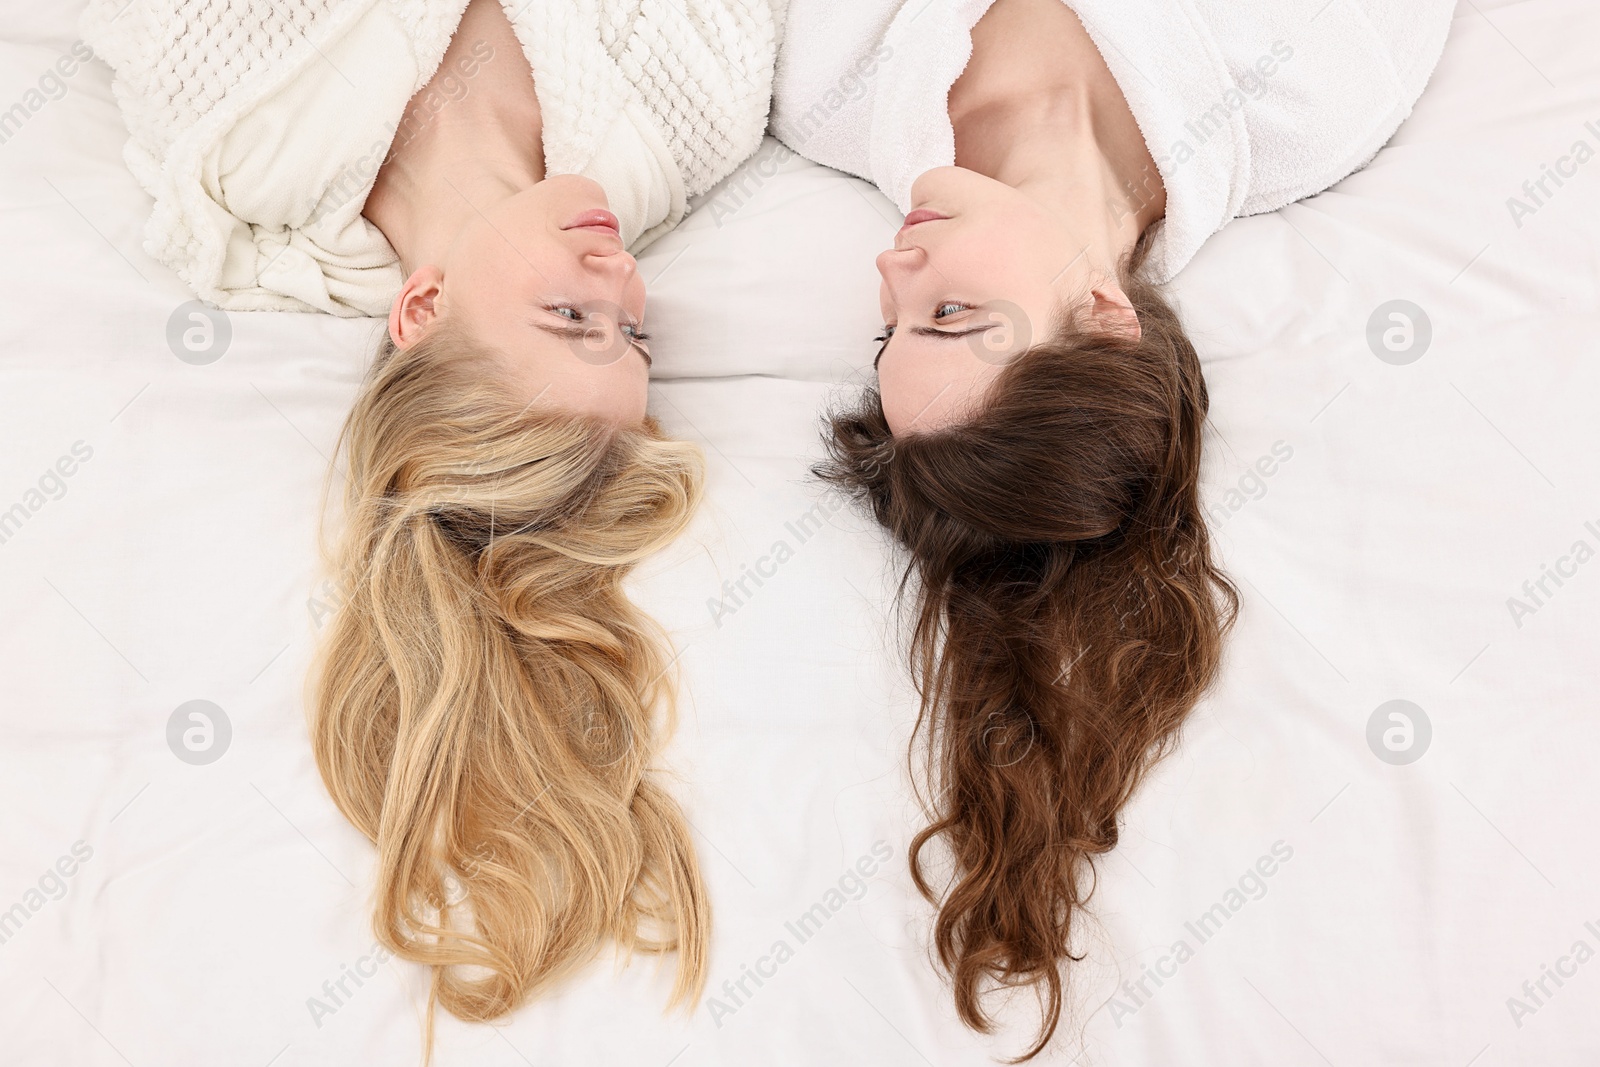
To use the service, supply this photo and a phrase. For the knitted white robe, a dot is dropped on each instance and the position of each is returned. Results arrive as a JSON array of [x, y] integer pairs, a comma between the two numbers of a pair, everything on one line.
[[259, 127], [1245, 105]]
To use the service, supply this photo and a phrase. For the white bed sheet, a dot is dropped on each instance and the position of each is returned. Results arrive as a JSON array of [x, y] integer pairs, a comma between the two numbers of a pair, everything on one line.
[[177, 563]]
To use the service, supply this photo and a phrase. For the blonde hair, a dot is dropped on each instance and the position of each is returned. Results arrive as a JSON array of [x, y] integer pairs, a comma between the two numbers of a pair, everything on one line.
[[482, 704]]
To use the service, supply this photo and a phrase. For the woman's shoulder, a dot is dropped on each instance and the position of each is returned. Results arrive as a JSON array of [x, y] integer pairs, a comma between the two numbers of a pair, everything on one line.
[[699, 72], [1248, 105], [177, 63], [1322, 85], [825, 84], [252, 125], [703, 68]]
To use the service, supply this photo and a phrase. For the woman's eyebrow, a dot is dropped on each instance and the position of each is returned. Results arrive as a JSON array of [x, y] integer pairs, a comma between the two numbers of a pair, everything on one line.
[[576, 332], [570, 333], [931, 331]]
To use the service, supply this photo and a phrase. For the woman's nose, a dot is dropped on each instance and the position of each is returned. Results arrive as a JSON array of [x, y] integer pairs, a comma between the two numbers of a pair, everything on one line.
[[885, 262], [617, 264], [896, 265]]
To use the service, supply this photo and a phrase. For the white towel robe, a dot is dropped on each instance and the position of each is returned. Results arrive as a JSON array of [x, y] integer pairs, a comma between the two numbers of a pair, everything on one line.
[[1246, 105], [259, 128]]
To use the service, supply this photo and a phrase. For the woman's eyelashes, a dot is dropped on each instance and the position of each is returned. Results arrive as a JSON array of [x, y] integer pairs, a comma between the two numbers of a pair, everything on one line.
[[631, 330], [940, 313], [883, 339]]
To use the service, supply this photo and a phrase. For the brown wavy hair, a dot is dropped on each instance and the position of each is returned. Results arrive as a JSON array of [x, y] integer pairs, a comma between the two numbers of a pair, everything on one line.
[[1068, 615], [484, 705]]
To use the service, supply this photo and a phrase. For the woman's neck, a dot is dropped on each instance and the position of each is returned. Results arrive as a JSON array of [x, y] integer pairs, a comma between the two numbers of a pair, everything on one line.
[[468, 141], [1037, 109]]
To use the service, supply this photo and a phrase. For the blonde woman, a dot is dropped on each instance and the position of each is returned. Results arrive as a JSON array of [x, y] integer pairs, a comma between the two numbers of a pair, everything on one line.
[[480, 174]]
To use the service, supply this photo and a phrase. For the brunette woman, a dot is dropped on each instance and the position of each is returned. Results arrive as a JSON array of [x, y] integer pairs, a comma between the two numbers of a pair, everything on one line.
[[1033, 439]]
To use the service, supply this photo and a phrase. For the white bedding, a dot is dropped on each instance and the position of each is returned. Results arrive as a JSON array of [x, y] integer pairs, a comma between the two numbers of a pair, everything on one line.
[[208, 904]]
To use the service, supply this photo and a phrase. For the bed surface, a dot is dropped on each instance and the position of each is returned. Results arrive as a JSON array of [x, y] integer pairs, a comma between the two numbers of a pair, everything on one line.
[[1379, 515]]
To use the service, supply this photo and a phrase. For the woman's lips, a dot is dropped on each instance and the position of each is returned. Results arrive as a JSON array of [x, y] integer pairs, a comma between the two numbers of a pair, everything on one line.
[[598, 219], [921, 215]]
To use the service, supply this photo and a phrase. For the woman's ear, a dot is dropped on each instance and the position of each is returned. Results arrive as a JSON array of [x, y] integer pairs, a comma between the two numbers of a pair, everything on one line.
[[416, 307], [1112, 312]]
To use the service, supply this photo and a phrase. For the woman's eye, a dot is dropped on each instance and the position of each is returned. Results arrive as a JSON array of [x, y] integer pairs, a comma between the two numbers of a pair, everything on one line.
[[946, 310], [635, 332], [568, 313], [888, 332]]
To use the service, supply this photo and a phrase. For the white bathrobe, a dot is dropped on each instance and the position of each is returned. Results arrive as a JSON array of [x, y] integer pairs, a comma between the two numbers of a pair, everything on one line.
[[259, 127], [1246, 105]]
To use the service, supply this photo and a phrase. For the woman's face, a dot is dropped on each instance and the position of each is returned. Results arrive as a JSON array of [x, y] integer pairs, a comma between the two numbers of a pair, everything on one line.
[[974, 278], [543, 278]]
